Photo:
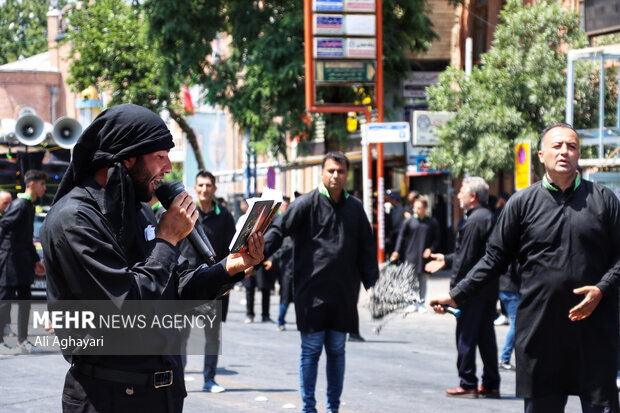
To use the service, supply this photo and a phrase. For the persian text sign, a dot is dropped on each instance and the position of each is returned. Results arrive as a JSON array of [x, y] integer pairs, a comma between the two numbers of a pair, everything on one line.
[[328, 24], [362, 48], [329, 47], [327, 5], [359, 5], [340, 71]]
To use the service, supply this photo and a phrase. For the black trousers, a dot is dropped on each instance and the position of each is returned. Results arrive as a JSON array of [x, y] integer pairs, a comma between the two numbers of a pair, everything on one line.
[[556, 404], [250, 289], [84, 394], [474, 329], [23, 294]]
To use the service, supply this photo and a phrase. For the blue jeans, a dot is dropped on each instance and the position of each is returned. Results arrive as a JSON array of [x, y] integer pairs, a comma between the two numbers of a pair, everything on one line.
[[282, 314], [311, 348], [511, 302]]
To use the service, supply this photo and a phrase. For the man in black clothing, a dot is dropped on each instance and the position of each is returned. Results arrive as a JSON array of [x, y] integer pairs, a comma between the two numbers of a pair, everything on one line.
[[334, 250], [18, 258], [394, 219], [418, 237], [5, 200], [96, 248], [475, 326], [564, 233], [219, 227]]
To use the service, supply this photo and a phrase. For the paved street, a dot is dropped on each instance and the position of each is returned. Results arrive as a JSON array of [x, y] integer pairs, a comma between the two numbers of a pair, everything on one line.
[[405, 368]]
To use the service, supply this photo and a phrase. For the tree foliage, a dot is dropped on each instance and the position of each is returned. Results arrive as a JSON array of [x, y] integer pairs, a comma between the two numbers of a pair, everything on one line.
[[112, 51], [261, 80], [109, 39], [23, 29], [516, 92]]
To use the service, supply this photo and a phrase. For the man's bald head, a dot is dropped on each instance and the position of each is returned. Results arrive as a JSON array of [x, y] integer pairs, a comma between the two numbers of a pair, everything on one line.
[[5, 199]]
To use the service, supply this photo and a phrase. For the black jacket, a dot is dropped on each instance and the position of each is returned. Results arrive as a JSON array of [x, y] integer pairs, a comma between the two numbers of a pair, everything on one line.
[[84, 261], [471, 239], [561, 241], [334, 249], [17, 252], [219, 227], [415, 236]]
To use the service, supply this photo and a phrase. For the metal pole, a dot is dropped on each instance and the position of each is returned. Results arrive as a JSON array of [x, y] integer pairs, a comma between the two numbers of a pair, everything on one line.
[[246, 145], [601, 108], [468, 56], [379, 98], [618, 104], [366, 173], [308, 68], [570, 89], [255, 173]]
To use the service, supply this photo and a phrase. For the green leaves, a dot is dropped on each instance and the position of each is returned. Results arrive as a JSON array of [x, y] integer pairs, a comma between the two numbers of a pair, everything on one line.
[[261, 80], [516, 92], [112, 52], [23, 29]]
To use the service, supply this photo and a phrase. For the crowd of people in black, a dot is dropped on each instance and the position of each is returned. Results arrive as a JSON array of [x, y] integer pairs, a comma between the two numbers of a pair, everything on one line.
[[549, 253]]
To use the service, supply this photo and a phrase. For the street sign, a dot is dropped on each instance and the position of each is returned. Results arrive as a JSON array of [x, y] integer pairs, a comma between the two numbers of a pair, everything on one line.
[[361, 48], [328, 24], [349, 25], [359, 5], [327, 5], [424, 124], [414, 87], [329, 47], [523, 165], [345, 71], [387, 132], [271, 178]]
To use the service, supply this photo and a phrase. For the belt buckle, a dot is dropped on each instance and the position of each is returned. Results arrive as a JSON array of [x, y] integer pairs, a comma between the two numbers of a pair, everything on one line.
[[162, 378]]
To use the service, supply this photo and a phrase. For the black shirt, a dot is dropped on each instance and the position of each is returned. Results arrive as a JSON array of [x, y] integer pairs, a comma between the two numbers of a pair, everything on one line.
[[17, 253], [415, 236], [471, 239], [561, 241], [84, 261], [333, 250]]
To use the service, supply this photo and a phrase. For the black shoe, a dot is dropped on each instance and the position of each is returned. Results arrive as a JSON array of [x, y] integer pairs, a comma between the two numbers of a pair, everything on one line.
[[488, 393], [267, 320], [356, 337]]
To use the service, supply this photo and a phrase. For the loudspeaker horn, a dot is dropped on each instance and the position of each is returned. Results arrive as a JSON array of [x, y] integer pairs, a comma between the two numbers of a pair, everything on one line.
[[7, 131], [66, 132], [29, 130]]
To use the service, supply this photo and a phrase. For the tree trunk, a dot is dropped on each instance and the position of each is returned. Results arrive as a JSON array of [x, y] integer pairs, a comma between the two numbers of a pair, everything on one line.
[[189, 134]]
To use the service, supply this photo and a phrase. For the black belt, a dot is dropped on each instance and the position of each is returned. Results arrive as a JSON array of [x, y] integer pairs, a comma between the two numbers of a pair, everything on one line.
[[157, 379]]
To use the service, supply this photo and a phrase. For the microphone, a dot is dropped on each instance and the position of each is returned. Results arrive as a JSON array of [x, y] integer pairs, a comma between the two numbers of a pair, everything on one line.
[[166, 192]]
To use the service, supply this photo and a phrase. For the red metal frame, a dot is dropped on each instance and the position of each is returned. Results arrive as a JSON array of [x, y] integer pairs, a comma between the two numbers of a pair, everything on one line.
[[344, 108]]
